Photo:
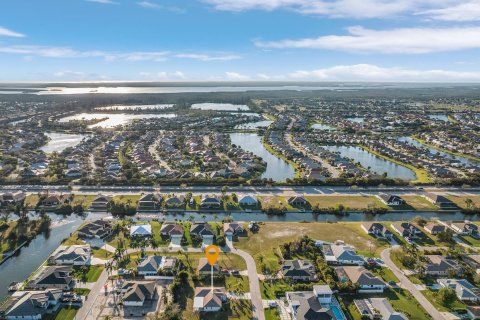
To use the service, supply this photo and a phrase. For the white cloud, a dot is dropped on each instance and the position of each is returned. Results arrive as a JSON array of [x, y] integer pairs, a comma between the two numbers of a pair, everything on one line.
[[163, 75], [4, 32], [469, 11], [103, 1], [335, 8], [402, 40], [236, 76], [208, 57], [368, 72], [149, 5]]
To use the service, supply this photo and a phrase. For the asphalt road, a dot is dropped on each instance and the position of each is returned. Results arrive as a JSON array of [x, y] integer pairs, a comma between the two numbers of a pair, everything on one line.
[[408, 285], [97, 289]]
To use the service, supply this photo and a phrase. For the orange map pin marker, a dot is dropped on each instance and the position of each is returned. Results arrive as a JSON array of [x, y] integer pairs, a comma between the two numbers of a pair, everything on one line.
[[212, 252]]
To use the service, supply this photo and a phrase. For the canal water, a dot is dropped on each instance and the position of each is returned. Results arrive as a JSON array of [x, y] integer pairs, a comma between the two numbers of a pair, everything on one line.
[[60, 141], [442, 117], [463, 160], [277, 169], [30, 257], [114, 119], [321, 126], [220, 106], [375, 163]]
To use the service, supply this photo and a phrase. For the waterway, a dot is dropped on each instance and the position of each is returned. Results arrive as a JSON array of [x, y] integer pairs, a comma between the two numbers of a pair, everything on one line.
[[220, 106], [463, 160], [277, 169], [30, 257], [60, 141], [375, 163], [321, 126], [114, 119]]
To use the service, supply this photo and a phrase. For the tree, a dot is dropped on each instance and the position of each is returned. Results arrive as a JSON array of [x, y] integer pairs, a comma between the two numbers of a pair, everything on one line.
[[447, 296], [469, 203]]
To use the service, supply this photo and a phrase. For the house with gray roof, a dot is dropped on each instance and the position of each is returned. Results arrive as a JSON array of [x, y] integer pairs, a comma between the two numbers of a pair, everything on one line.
[[341, 255], [434, 228], [136, 293], [377, 230], [153, 265], [320, 303], [77, 255], [465, 290], [207, 299], [302, 270], [439, 266], [33, 304], [53, 277], [390, 199]]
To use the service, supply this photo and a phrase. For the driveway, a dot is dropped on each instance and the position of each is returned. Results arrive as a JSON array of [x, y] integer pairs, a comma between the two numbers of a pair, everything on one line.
[[412, 288], [253, 280]]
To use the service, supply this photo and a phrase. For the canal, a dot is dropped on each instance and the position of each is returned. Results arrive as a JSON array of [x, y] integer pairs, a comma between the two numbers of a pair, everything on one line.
[[277, 169]]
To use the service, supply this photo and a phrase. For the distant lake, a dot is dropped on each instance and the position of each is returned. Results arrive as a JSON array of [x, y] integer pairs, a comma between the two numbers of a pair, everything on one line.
[[220, 106], [357, 119], [321, 126], [441, 117], [137, 107], [375, 163], [277, 169], [254, 125], [113, 119], [60, 141]]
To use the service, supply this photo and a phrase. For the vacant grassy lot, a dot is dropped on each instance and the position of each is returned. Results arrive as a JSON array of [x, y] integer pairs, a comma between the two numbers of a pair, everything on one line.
[[419, 203], [102, 254], [84, 200], [432, 296], [471, 241], [31, 201], [264, 245], [66, 313], [127, 199], [460, 200], [351, 202], [272, 314]]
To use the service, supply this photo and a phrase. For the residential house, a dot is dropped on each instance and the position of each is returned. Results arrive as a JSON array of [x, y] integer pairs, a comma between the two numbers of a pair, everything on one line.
[[205, 268], [53, 201], [248, 201], [434, 228], [406, 229], [141, 230], [297, 201], [8, 198], [465, 228], [440, 201], [209, 299], [473, 312], [320, 303], [33, 305], [210, 202], [473, 260], [154, 265], [175, 202], [136, 294], [232, 229], [341, 255], [77, 255], [390, 199], [149, 202], [97, 229], [440, 266], [378, 308], [100, 203], [360, 276], [173, 231], [53, 277], [377, 229], [465, 290], [302, 270], [203, 230]]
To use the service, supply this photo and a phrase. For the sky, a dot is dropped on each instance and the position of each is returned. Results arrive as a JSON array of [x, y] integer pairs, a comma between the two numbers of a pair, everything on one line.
[[235, 40]]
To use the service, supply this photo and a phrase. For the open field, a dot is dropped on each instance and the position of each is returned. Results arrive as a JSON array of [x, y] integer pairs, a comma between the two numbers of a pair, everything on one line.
[[65, 313], [419, 203], [432, 296], [460, 200], [350, 202]]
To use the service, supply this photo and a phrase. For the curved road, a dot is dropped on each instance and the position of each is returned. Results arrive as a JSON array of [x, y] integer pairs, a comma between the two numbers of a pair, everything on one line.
[[253, 280], [408, 285]]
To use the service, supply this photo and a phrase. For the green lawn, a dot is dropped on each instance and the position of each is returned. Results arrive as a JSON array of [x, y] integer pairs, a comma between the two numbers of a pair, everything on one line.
[[419, 203], [460, 200], [94, 273], [102, 254], [432, 296], [274, 289], [350, 202], [272, 314], [471, 241], [65, 313], [81, 291], [385, 273]]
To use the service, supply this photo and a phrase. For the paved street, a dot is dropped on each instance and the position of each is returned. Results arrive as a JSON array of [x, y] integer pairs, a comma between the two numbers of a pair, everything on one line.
[[408, 285], [253, 280], [97, 290]]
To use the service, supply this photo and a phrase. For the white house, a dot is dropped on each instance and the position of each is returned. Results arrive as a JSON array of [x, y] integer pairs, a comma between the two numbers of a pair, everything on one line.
[[141, 230], [135, 294], [316, 304], [78, 255], [209, 299], [465, 290], [342, 254], [366, 281], [32, 305]]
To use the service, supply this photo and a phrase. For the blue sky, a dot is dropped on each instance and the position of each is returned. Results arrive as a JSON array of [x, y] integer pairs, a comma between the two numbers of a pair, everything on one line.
[[307, 40]]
